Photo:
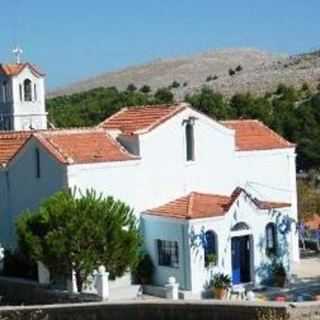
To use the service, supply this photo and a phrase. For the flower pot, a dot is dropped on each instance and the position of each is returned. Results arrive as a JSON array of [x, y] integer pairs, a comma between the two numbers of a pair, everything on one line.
[[219, 293]]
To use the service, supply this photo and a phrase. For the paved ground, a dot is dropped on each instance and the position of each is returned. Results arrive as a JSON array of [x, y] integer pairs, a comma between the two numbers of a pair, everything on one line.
[[309, 267]]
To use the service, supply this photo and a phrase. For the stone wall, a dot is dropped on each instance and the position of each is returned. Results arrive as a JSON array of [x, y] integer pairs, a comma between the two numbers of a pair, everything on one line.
[[165, 310], [146, 310]]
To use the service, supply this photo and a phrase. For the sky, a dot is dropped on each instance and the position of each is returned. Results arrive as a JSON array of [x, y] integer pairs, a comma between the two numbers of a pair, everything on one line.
[[74, 39]]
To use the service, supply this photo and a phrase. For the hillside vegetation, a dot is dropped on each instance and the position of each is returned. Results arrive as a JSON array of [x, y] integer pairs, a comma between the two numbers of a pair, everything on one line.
[[293, 113], [228, 71]]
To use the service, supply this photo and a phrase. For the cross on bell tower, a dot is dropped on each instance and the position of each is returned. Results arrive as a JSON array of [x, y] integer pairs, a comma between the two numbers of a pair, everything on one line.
[[17, 52]]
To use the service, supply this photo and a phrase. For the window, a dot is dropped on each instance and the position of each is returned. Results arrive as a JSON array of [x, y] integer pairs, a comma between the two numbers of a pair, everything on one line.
[[240, 226], [37, 160], [210, 249], [20, 92], [168, 252], [5, 92], [27, 86], [190, 141], [35, 94], [271, 239]]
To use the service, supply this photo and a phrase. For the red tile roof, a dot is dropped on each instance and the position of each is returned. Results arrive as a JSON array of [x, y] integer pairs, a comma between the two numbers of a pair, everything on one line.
[[15, 69], [83, 146], [202, 205], [142, 119], [254, 135], [69, 146], [10, 144]]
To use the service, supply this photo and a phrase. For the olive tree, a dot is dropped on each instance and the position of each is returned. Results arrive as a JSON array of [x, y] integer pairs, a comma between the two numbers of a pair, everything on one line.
[[79, 233]]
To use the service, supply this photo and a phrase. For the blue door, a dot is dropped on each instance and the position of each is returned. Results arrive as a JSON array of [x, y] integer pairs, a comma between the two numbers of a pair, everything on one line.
[[240, 250], [236, 259]]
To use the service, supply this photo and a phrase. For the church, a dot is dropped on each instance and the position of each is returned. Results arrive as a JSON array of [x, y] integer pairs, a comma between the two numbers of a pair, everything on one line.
[[210, 195]]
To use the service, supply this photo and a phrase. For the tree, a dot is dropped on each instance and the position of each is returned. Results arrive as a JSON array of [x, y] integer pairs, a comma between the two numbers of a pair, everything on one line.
[[210, 103], [80, 233], [131, 87], [305, 87], [308, 200], [175, 84], [145, 89], [231, 72], [239, 68], [163, 95]]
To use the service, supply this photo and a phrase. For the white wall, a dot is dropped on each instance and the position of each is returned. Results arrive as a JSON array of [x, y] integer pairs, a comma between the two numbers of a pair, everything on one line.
[[157, 228], [122, 180], [23, 190]]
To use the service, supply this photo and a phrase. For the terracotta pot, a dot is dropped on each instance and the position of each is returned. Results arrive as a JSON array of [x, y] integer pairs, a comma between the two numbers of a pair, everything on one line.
[[219, 293]]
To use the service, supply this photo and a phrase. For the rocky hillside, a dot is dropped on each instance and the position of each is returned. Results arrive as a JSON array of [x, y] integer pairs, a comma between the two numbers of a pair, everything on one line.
[[227, 71]]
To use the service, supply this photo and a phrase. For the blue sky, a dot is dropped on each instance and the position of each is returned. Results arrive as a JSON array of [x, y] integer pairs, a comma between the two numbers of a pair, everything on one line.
[[74, 39]]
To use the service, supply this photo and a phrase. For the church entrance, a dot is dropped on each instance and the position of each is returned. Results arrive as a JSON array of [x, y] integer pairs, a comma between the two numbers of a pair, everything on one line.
[[241, 259]]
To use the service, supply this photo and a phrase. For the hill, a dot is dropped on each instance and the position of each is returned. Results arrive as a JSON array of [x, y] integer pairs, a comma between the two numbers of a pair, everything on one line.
[[227, 71]]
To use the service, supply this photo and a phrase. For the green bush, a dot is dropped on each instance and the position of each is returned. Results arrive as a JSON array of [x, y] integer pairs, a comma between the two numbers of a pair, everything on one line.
[[175, 84], [145, 89], [131, 87], [145, 269]]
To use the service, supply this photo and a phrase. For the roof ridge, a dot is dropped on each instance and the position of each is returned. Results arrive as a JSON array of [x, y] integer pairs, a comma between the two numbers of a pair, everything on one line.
[[49, 145], [240, 120], [210, 194], [100, 125], [178, 108]]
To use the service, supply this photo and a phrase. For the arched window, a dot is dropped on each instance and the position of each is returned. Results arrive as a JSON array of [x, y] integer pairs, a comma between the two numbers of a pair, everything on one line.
[[210, 249], [27, 87], [240, 226], [190, 142], [271, 239]]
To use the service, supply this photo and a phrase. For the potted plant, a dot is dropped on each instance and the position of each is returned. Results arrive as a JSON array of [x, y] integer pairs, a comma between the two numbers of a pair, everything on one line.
[[279, 274], [220, 283], [211, 260]]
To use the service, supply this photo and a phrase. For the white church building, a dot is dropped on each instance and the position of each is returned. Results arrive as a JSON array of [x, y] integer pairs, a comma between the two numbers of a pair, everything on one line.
[[211, 196]]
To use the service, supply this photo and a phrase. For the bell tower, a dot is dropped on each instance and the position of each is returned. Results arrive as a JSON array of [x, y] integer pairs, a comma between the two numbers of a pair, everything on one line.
[[22, 96]]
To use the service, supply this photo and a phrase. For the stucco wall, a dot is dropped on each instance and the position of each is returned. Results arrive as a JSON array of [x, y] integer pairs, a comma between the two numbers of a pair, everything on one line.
[[155, 228], [122, 180], [23, 190]]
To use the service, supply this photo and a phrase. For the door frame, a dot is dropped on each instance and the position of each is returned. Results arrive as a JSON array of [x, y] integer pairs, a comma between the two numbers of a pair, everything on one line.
[[239, 234]]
